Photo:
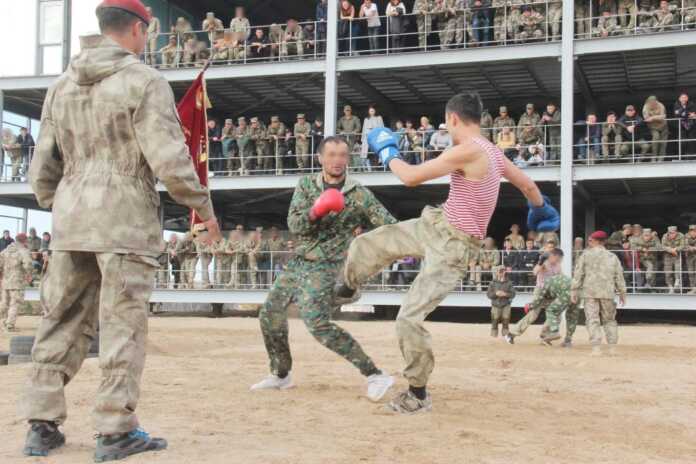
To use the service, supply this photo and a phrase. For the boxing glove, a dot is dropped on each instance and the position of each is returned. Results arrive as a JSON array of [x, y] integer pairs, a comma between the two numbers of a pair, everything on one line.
[[330, 201], [543, 218], [382, 141]]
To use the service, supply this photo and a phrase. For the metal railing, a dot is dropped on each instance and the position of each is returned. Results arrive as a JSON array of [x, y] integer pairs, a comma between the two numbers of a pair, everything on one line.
[[631, 19], [635, 143], [192, 48], [14, 164]]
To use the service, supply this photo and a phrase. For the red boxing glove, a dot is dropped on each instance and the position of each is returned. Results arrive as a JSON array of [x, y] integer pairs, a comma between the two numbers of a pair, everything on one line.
[[331, 200]]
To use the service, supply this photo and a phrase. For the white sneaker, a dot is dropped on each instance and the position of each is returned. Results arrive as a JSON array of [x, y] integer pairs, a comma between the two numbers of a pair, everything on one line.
[[273, 382], [378, 385]]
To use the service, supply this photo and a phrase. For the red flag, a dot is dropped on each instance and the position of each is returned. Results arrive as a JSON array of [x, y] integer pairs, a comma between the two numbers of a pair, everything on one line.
[[192, 110]]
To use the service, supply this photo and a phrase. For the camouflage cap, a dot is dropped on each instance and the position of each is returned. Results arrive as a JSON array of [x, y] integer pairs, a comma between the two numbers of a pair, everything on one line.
[[210, 13], [637, 226], [300, 116], [241, 118], [347, 108], [275, 119], [229, 121], [530, 106], [259, 229], [498, 268], [672, 229], [647, 231], [503, 109], [692, 227], [254, 119], [627, 226]]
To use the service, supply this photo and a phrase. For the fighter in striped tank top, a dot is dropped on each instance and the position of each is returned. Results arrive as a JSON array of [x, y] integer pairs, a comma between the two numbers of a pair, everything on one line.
[[445, 238]]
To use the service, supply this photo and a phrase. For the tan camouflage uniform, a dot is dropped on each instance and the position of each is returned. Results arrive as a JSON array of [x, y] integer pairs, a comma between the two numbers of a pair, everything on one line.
[[206, 257], [445, 251], [302, 143], [424, 20], [16, 266], [108, 130], [690, 251], [658, 126], [276, 134], [153, 32], [598, 276], [236, 250], [252, 246], [648, 248], [671, 258]]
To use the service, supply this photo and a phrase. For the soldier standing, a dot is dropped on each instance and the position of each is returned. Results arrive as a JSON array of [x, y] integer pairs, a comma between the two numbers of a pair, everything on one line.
[[240, 24], [531, 24], [529, 118], [104, 271], [229, 145], [655, 116], [183, 30], [252, 246], [689, 13], [153, 31], [598, 276], [174, 261], [488, 259], [447, 21], [502, 120], [672, 244], [350, 128], [325, 210], [257, 136], [515, 238], [294, 37], [424, 21], [627, 13], [14, 150], [555, 16], [244, 145], [487, 125], [617, 238], [276, 247], [690, 250], [301, 132], [162, 276], [189, 257], [235, 250], [213, 26], [501, 293], [205, 256], [221, 266], [612, 136], [551, 121], [277, 134], [583, 23], [16, 267], [648, 247]]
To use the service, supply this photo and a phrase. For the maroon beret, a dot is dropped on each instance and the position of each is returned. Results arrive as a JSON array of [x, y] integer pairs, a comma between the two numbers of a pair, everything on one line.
[[134, 7], [599, 235]]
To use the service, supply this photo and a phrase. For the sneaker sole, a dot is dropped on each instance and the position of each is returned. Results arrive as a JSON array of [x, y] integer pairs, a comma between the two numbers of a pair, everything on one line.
[[42, 452], [384, 392], [408, 413], [124, 454]]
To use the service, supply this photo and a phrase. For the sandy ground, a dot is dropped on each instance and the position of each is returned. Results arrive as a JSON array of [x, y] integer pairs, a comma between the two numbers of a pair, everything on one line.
[[493, 403]]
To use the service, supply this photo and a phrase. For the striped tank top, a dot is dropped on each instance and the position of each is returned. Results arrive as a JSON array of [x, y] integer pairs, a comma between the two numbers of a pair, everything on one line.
[[471, 203]]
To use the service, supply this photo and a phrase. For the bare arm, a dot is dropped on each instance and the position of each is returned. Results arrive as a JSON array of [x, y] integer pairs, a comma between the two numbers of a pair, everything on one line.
[[523, 183], [450, 160]]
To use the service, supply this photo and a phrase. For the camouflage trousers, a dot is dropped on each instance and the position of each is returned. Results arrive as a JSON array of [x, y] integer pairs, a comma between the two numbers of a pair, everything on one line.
[[206, 259], [500, 314], [237, 268], [309, 285], [447, 32], [650, 276], [673, 269], [691, 266], [601, 314], [554, 19], [222, 270], [445, 252], [304, 158], [424, 23], [10, 301], [253, 270], [533, 314], [162, 276], [188, 271], [81, 291]]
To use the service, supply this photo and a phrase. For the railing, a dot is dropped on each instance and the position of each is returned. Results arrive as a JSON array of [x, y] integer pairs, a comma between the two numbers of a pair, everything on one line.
[[449, 29], [635, 143], [14, 165], [191, 48], [633, 20], [653, 271]]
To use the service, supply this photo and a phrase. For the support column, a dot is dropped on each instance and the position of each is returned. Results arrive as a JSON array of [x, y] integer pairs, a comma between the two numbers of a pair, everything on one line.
[[590, 219], [67, 32], [330, 77], [567, 73], [25, 219]]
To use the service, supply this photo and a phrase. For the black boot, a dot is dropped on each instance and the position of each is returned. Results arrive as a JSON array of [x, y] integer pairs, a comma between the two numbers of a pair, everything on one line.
[[120, 446], [42, 437]]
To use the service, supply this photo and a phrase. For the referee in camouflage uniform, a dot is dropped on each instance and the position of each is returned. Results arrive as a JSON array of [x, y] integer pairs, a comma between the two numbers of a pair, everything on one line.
[[108, 130]]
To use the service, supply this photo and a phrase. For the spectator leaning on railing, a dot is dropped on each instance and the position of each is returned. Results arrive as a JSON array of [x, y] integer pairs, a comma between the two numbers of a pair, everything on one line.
[[685, 112]]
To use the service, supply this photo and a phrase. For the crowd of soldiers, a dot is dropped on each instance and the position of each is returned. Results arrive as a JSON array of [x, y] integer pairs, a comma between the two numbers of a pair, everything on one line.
[[643, 136], [244, 259], [455, 23], [237, 43]]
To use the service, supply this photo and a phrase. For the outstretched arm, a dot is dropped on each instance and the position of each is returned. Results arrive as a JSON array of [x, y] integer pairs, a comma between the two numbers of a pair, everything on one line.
[[523, 183], [449, 161]]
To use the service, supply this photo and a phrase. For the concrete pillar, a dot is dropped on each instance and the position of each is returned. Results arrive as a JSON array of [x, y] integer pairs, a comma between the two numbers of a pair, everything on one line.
[[330, 77]]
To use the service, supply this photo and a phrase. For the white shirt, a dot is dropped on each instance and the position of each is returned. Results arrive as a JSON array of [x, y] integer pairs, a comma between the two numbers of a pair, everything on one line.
[[440, 141], [368, 124], [372, 15]]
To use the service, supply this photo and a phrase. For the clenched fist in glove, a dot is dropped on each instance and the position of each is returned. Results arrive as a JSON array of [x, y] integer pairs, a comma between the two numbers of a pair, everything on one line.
[[383, 142], [330, 201], [543, 218]]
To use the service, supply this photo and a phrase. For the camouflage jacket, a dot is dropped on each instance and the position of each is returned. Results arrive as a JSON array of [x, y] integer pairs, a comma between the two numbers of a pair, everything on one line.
[[505, 286], [302, 129], [518, 242], [676, 242], [615, 240], [328, 238], [489, 257], [15, 263], [690, 245], [555, 288], [648, 249], [599, 274], [423, 7], [349, 125], [109, 128], [275, 245]]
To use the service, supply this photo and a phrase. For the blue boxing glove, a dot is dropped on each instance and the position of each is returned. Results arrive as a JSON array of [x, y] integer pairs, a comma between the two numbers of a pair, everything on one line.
[[383, 142], [544, 218]]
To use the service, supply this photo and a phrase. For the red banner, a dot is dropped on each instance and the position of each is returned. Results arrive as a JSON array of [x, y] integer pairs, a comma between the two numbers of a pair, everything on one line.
[[192, 110]]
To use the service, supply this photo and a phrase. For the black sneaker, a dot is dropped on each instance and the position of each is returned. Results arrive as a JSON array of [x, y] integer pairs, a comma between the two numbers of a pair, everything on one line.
[[115, 447], [42, 437]]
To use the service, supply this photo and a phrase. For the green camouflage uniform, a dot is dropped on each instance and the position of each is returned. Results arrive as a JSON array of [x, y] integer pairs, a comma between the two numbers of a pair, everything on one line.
[[311, 274], [598, 276], [186, 250], [659, 129], [445, 252], [108, 129], [487, 260], [528, 120], [648, 253], [205, 254], [253, 248], [554, 298], [671, 264], [246, 148], [500, 305], [276, 135], [236, 250], [350, 129], [258, 138], [16, 267], [222, 264], [445, 13], [690, 251], [424, 20], [499, 122], [302, 144]]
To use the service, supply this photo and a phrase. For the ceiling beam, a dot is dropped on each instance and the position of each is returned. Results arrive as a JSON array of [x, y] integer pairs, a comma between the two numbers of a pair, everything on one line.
[[627, 187], [441, 76], [423, 99], [626, 71], [298, 96], [537, 80], [584, 87], [492, 81], [360, 85]]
